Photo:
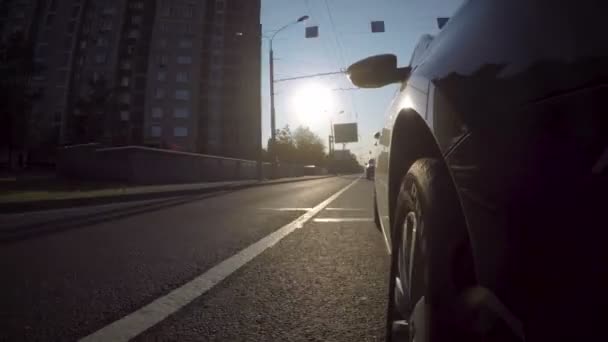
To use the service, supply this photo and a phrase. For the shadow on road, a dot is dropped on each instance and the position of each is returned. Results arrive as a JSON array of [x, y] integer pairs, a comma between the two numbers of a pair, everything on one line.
[[47, 227]]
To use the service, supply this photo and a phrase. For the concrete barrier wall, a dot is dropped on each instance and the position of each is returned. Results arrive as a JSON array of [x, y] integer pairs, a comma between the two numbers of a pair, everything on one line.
[[143, 165]]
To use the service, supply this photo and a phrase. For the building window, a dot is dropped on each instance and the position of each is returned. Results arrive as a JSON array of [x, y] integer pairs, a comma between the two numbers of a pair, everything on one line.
[[185, 43], [219, 6], [182, 94], [75, 11], [125, 65], [162, 43], [109, 10], [136, 19], [161, 76], [124, 115], [156, 131], [134, 34], [181, 112], [100, 58], [162, 60], [130, 49], [188, 11], [184, 60], [125, 98], [137, 5], [102, 41], [160, 93], [106, 25], [124, 82], [49, 19], [182, 77], [180, 131], [157, 112]]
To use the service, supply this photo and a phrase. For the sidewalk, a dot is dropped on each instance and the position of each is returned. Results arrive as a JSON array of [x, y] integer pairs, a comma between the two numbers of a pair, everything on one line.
[[136, 193]]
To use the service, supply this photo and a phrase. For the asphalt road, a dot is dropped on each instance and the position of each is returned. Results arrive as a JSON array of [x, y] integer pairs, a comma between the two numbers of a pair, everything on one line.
[[288, 262]]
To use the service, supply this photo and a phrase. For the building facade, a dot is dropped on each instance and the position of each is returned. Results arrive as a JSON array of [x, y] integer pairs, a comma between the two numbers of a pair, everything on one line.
[[204, 77], [179, 74]]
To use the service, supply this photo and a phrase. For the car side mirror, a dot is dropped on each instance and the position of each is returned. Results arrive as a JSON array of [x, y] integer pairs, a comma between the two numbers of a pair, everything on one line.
[[377, 135], [377, 71]]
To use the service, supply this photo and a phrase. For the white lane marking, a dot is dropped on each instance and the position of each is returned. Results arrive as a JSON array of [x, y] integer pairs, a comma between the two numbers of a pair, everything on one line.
[[287, 209], [344, 209], [146, 317], [388, 245], [343, 219]]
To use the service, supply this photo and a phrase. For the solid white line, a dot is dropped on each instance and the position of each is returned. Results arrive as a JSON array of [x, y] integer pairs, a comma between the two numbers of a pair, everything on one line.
[[343, 219], [137, 322]]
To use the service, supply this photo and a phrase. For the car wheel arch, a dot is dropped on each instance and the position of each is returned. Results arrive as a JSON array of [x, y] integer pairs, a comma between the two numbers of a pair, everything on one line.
[[411, 140]]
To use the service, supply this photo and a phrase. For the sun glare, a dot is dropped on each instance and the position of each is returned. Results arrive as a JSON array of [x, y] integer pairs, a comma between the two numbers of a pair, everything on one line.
[[311, 101]]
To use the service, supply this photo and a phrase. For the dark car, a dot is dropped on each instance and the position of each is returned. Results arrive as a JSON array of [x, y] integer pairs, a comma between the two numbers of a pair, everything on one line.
[[370, 169], [491, 179]]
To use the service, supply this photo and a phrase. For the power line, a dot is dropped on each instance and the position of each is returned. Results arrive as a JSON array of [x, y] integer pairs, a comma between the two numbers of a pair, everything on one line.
[[340, 51], [335, 33]]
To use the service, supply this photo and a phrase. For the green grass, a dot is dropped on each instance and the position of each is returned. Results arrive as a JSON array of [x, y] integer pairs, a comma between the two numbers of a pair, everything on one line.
[[16, 190]]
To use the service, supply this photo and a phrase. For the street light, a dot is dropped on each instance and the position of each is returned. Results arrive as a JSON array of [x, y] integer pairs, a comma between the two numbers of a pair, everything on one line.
[[272, 110]]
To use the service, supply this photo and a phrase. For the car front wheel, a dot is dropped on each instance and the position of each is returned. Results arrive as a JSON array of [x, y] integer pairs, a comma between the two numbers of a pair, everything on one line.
[[430, 259]]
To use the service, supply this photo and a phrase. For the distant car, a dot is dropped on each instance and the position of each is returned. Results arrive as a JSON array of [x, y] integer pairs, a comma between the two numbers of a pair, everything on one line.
[[491, 179], [370, 169]]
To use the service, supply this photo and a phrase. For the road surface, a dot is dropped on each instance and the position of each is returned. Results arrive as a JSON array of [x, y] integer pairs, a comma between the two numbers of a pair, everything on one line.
[[289, 262]]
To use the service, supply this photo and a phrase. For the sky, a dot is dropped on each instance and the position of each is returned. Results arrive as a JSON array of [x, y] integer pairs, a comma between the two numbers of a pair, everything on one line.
[[315, 102]]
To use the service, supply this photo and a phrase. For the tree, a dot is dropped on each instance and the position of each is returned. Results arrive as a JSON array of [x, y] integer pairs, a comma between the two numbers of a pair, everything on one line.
[[309, 146], [301, 147], [284, 148]]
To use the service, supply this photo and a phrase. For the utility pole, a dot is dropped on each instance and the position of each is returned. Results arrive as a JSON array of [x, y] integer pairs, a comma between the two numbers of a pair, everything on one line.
[[271, 149], [271, 146]]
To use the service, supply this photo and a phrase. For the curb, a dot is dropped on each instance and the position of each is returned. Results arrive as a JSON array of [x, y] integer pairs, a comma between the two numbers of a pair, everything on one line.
[[20, 207]]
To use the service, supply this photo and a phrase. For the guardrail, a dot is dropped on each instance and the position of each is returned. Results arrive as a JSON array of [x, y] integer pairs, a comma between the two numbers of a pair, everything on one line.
[[145, 165]]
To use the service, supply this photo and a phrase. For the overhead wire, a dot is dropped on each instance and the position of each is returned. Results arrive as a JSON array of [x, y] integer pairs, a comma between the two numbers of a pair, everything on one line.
[[341, 53]]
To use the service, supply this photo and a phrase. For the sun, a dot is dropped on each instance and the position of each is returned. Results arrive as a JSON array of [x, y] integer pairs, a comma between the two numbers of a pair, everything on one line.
[[311, 102]]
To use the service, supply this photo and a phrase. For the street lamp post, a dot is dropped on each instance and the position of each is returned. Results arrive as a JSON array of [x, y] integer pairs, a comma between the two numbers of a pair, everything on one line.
[[272, 110]]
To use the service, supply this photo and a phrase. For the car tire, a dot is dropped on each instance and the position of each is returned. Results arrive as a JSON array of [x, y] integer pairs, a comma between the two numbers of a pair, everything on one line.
[[376, 214], [431, 262]]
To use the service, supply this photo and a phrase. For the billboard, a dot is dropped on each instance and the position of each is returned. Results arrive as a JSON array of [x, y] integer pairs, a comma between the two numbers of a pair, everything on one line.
[[345, 133]]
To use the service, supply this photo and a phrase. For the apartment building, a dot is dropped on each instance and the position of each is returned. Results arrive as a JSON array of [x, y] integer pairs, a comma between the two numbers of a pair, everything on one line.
[[55, 44], [204, 77], [180, 74], [94, 71], [231, 119], [173, 109]]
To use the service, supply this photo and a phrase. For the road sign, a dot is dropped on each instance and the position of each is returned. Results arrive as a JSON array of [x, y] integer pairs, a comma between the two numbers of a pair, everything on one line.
[[345, 133], [377, 26], [312, 32]]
